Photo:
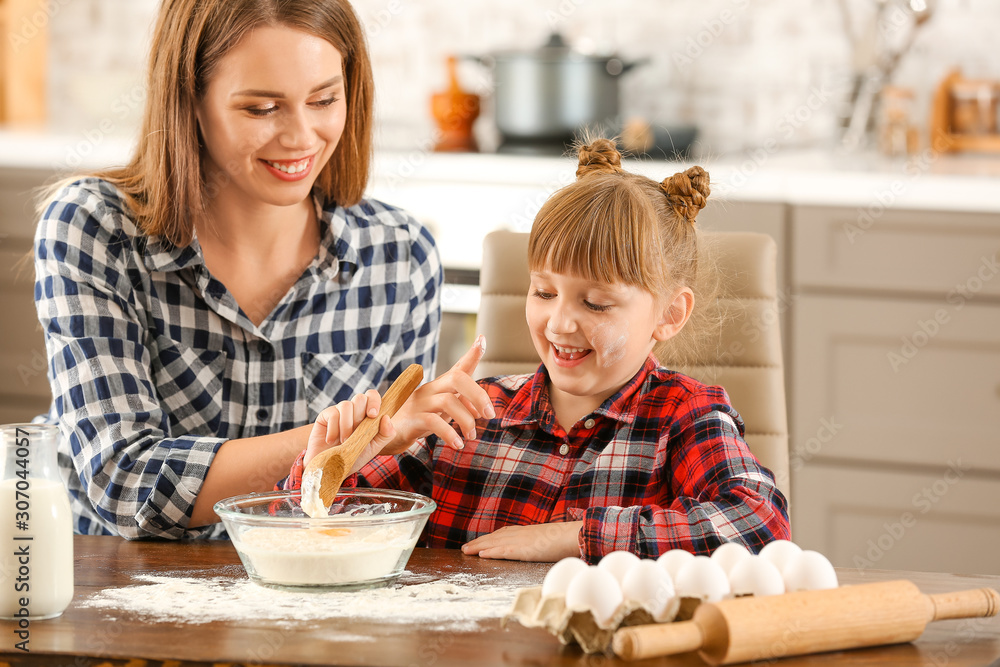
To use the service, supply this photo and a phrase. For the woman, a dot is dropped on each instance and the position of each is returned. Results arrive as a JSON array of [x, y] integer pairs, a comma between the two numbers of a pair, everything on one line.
[[205, 303]]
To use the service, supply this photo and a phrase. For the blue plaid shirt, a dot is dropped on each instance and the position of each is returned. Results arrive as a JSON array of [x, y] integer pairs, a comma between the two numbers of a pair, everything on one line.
[[153, 365]]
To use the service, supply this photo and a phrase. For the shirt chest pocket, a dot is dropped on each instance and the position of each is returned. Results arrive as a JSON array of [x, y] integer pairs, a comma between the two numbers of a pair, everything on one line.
[[330, 378], [621, 470], [189, 383]]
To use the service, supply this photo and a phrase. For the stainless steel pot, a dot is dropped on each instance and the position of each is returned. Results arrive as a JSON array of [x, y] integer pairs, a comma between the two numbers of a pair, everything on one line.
[[553, 91]]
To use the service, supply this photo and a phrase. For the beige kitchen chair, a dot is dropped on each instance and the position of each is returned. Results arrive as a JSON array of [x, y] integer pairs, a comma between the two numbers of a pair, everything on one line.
[[745, 359]]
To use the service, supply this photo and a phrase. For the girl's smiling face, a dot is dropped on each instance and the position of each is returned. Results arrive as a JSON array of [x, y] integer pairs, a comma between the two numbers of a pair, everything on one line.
[[272, 115], [591, 336]]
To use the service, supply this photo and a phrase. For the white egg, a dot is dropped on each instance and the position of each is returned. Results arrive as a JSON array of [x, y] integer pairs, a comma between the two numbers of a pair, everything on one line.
[[559, 575], [673, 560], [618, 563], [809, 571], [779, 552], [648, 584], [729, 554], [702, 578], [596, 590], [755, 576]]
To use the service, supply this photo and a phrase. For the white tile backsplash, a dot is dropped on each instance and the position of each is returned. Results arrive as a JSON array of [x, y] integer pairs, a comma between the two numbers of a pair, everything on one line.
[[744, 71]]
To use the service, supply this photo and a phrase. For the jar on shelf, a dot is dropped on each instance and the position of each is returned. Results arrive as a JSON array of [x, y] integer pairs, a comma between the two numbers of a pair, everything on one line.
[[897, 134], [36, 527], [974, 107]]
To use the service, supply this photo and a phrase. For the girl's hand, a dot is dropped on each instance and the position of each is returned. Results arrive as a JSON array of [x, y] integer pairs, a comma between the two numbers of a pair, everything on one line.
[[335, 424], [453, 396], [541, 542]]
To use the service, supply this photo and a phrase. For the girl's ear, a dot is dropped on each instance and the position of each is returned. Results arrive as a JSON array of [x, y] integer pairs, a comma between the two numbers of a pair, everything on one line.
[[675, 314]]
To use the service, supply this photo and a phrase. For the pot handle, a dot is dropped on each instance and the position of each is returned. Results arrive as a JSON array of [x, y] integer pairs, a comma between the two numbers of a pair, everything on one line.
[[617, 67], [486, 61]]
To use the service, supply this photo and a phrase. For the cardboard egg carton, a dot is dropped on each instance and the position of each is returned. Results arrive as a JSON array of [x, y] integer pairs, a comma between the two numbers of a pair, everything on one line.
[[532, 610]]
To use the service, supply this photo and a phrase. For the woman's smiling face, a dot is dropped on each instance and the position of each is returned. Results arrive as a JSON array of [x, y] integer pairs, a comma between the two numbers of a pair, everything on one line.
[[272, 115], [591, 336]]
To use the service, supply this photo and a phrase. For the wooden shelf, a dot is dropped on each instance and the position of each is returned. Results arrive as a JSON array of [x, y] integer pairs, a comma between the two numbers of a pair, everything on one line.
[[943, 139], [989, 143]]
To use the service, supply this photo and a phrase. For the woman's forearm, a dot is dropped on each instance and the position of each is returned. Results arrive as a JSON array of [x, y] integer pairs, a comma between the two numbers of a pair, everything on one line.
[[247, 465]]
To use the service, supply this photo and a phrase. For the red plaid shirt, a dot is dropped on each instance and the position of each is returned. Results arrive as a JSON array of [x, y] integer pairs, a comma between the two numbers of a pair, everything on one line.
[[660, 465]]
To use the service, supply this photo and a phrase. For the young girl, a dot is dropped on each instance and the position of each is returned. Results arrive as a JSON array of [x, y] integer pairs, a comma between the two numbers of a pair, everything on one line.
[[601, 449]]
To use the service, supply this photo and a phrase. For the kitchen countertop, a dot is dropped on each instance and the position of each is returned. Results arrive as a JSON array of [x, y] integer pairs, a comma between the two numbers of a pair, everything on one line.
[[949, 183], [946, 183]]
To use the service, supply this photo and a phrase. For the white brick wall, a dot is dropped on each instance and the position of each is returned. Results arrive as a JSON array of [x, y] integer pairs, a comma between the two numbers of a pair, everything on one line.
[[97, 52], [745, 71]]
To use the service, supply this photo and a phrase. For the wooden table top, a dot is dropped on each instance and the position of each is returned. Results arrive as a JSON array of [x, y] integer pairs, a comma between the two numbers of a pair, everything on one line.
[[96, 636]]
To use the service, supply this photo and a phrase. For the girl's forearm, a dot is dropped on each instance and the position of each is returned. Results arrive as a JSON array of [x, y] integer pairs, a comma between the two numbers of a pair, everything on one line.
[[247, 465]]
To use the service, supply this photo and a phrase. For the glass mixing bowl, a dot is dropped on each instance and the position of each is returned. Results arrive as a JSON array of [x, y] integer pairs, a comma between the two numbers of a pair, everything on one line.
[[365, 542]]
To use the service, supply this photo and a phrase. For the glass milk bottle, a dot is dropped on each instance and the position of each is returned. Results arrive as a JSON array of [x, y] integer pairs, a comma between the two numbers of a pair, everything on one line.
[[36, 527]]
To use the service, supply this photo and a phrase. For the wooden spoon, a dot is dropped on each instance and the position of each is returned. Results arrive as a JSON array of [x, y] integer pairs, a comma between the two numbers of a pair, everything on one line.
[[325, 473]]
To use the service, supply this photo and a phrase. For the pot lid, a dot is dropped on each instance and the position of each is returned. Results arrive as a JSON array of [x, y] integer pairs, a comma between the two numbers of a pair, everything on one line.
[[556, 42]]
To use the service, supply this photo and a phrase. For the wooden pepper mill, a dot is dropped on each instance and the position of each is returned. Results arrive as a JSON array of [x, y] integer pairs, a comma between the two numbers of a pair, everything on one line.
[[454, 111]]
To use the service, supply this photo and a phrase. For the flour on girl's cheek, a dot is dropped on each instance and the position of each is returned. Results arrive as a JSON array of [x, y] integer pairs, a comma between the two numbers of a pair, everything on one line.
[[610, 339]]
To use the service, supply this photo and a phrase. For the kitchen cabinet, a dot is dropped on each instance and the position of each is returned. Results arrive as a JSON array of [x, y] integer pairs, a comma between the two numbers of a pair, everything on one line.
[[912, 253], [876, 517], [895, 387]]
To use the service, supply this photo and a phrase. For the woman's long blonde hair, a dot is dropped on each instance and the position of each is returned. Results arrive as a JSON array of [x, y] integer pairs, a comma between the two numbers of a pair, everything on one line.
[[164, 184], [614, 226]]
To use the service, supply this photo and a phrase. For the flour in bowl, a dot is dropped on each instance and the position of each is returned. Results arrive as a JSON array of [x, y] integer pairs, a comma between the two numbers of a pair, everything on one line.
[[326, 556]]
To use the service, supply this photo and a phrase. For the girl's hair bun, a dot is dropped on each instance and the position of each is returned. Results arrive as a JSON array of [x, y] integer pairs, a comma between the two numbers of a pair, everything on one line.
[[599, 156], [687, 192]]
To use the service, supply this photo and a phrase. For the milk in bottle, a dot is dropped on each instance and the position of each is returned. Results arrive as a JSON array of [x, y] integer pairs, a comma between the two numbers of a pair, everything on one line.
[[36, 528]]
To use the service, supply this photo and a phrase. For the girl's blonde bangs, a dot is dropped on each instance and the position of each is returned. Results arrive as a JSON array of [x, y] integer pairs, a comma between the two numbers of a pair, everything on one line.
[[599, 230]]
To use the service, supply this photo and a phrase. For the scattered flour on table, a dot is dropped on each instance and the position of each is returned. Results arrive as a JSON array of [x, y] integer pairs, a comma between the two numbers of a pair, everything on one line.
[[455, 602]]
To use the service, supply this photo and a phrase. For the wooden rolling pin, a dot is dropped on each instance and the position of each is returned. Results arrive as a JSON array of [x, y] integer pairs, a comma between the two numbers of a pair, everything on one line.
[[764, 628]]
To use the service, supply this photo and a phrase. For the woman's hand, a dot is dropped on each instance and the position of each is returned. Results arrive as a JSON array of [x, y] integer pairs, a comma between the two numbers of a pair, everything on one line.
[[542, 542], [336, 424], [453, 396]]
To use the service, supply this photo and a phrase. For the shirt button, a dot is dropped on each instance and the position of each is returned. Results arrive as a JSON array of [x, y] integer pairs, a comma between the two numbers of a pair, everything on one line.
[[266, 351], [262, 414], [564, 450], [589, 423]]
